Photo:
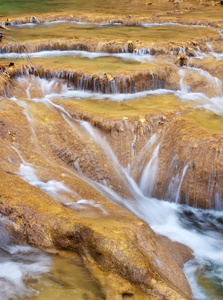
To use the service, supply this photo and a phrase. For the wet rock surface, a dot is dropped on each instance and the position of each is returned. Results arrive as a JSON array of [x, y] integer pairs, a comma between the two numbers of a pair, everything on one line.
[[84, 143], [111, 248]]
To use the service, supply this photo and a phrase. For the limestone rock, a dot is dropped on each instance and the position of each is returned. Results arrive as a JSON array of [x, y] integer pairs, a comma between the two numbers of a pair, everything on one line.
[[120, 249]]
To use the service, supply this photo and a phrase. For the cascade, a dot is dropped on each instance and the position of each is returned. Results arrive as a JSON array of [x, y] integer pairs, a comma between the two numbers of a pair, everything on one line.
[[148, 178], [110, 119]]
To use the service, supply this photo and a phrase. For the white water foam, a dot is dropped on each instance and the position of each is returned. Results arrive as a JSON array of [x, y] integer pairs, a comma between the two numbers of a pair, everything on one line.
[[218, 56], [58, 190], [169, 24], [214, 104], [84, 204], [136, 56], [214, 81], [51, 23], [48, 87], [14, 275], [54, 188], [200, 230], [148, 177], [193, 227], [19, 266], [108, 24], [176, 222]]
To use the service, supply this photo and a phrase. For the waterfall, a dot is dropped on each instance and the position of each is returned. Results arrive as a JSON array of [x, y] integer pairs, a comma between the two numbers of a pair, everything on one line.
[[57, 94], [148, 177], [170, 219], [177, 199]]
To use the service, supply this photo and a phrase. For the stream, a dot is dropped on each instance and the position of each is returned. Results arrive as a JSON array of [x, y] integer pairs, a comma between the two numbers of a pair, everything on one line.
[[28, 273]]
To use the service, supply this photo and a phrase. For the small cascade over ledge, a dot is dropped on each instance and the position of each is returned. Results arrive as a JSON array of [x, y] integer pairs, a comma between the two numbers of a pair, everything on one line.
[[101, 82], [111, 134]]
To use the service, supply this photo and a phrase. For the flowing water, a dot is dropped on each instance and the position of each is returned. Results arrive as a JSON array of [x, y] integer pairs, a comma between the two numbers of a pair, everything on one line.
[[173, 220], [26, 272], [43, 102]]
